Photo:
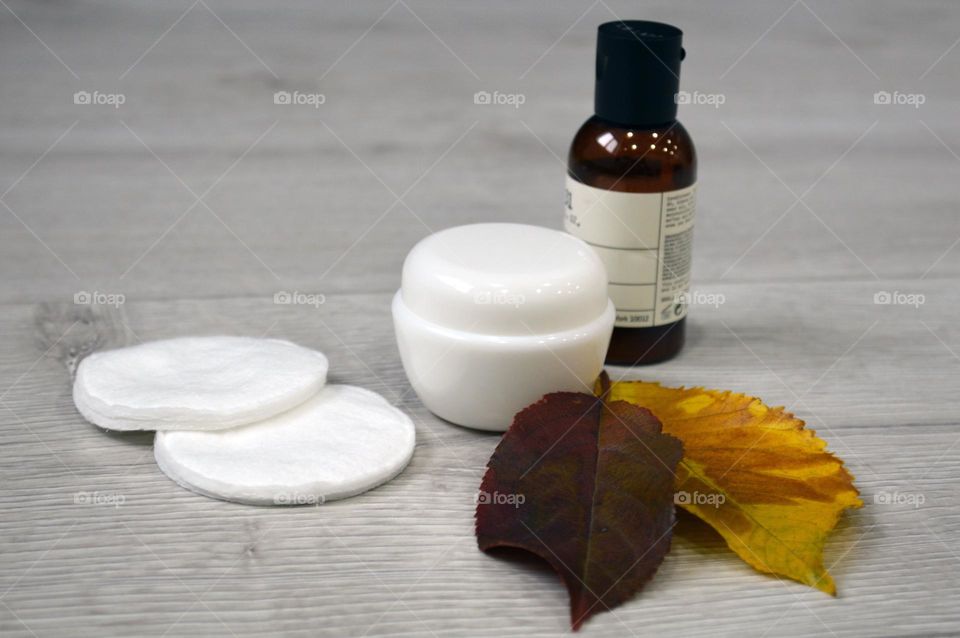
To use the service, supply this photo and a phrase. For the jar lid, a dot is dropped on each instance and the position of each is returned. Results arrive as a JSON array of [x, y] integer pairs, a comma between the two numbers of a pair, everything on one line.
[[504, 280]]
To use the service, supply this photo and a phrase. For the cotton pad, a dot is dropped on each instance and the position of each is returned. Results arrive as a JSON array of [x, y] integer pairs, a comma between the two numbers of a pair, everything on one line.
[[196, 383], [343, 441]]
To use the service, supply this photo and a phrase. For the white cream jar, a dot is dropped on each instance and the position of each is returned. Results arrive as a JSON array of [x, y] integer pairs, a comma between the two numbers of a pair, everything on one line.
[[490, 317]]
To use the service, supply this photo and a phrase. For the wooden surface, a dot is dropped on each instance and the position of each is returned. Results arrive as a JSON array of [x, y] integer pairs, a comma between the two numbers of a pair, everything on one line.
[[199, 198]]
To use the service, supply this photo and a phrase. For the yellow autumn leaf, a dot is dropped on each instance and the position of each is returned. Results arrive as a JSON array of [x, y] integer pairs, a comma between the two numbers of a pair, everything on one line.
[[754, 473]]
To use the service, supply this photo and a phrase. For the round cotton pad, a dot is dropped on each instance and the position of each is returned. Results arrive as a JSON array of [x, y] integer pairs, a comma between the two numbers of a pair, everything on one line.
[[344, 441], [196, 383]]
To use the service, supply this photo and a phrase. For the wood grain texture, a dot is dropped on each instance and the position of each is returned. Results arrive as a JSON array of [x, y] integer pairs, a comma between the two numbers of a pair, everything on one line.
[[95, 541]]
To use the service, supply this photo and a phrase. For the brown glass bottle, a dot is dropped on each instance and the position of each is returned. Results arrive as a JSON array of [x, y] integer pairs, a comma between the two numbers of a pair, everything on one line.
[[635, 166], [635, 145]]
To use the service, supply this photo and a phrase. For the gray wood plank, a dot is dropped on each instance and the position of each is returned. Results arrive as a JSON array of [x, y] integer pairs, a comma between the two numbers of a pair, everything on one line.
[[94, 540], [138, 551]]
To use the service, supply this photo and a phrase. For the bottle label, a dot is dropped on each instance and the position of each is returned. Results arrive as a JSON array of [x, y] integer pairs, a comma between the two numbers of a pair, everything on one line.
[[645, 241]]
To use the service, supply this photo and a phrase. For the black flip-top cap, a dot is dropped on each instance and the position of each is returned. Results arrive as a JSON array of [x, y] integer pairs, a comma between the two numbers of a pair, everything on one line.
[[638, 72]]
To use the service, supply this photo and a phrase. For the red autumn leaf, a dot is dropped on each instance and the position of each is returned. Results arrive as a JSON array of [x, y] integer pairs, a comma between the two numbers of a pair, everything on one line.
[[589, 489]]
